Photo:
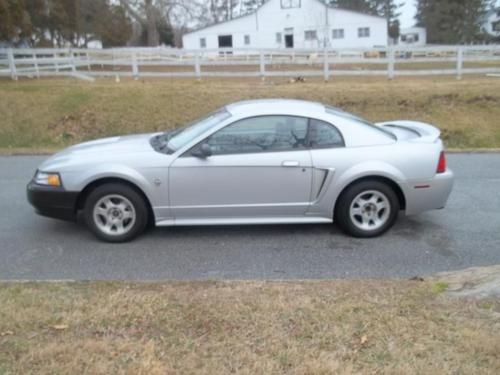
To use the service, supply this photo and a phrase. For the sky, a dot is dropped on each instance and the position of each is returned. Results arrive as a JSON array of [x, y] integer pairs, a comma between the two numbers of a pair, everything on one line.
[[408, 11]]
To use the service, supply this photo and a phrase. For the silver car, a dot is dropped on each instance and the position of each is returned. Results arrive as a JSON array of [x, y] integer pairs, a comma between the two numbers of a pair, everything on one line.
[[254, 162]]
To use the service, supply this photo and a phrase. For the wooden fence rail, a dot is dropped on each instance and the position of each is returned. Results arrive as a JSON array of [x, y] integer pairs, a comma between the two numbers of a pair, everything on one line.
[[170, 62]]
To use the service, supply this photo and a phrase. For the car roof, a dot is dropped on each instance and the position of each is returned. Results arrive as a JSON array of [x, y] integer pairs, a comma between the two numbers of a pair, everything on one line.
[[281, 106]]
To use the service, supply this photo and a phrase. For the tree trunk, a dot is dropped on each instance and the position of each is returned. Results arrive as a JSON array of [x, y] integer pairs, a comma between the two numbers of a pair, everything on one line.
[[153, 37]]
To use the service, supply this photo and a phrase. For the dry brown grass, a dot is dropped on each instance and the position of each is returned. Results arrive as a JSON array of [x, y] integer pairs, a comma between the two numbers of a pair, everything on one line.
[[372, 327], [41, 114]]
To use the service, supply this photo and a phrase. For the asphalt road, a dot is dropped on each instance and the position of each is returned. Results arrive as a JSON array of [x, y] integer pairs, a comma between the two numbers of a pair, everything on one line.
[[466, 233]]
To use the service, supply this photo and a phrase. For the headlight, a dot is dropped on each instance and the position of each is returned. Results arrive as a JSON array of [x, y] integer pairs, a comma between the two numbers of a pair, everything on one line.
[[48, 179]]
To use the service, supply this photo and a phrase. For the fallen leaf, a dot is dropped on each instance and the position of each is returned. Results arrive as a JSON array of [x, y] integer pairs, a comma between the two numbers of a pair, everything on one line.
[[6, 333], [60, 327], [364, 340]]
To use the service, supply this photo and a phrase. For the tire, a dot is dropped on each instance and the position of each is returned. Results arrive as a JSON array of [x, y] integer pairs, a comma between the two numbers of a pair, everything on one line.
[[367, 209], [115, 212]]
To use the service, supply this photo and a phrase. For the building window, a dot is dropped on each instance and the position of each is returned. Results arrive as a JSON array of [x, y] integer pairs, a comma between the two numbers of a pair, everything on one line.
[[310, 35], [287, 4], [363, 32], [278, 38], [495, 26], [203, 43], [247, 40], [338, 33]]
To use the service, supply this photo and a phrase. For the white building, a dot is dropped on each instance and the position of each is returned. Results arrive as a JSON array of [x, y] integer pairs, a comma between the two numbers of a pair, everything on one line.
[[491, 24], [413, 36], [293, 24]]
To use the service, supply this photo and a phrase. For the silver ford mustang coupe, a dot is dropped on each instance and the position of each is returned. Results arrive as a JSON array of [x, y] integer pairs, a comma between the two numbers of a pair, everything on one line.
[[255, 162]]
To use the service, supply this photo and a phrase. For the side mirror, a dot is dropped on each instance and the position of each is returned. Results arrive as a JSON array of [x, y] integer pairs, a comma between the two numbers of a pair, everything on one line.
[[203, 151]]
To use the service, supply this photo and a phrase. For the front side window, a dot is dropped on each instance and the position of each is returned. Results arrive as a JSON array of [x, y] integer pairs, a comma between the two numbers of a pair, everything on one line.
[[278, 37], [310, 35], [203, 43], [324, 135], [338, 33], [364, 32], [260, 134], [247, 40]]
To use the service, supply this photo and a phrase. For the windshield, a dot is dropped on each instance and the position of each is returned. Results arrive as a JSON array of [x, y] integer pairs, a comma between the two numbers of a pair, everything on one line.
[[183, 136], [350, 116]]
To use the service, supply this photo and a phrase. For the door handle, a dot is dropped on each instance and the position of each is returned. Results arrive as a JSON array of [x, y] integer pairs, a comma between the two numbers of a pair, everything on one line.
[[290, 163]]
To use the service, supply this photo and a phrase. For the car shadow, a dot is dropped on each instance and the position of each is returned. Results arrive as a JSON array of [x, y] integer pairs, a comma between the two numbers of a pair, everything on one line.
[[406, 228]]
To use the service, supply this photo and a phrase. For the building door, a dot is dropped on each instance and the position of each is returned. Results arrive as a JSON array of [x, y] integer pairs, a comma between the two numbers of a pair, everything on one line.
[[225, 41], [289, 41]]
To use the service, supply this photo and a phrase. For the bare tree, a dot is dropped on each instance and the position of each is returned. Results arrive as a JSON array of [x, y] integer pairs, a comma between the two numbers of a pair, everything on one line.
[[151, 14]]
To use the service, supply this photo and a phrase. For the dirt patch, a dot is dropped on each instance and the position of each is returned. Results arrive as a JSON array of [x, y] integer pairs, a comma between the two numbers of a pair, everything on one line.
[[446, 99], [483, 99], [75, 127]]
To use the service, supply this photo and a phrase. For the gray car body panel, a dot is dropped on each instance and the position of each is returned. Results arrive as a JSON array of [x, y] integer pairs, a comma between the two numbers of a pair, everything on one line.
[[268, 187]]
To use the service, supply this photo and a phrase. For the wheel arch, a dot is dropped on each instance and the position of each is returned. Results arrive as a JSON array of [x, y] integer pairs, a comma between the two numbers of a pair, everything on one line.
[[91, 186], [383, 179]]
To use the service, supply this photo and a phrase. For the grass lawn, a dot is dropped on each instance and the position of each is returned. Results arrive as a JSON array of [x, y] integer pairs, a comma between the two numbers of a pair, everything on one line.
[[323, 327], [51, 114]]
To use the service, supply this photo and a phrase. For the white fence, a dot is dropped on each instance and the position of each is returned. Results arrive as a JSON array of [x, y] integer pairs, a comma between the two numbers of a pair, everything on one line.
[[170, 62]]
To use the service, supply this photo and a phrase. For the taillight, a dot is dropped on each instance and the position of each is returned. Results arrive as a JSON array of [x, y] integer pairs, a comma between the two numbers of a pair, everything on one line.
[[441, 168]]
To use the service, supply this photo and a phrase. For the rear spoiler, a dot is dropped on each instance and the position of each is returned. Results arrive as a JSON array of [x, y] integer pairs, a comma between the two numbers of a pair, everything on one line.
[[423, 133]]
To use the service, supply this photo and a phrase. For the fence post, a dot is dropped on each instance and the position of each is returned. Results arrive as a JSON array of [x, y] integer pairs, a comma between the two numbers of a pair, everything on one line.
[[460, 62], [56, 64], [88, 60], [326, 65], [262, 66], [390, 66], [72, 59], [135, 69], [12, 64], [35, 63], [197, 66]]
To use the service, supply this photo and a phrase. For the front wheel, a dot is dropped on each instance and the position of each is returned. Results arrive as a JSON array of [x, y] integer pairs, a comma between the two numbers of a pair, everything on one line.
[[115, 213], [367, 209]]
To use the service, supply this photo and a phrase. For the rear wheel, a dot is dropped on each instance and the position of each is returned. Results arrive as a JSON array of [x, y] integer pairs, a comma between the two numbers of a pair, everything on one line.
[[115, 213], [367, 209]]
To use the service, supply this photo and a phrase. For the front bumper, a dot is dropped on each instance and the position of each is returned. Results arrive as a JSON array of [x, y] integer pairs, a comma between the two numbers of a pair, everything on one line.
[[52, 202]]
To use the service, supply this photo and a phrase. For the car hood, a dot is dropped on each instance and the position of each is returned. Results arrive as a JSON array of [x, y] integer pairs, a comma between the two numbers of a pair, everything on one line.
[[110, 149]]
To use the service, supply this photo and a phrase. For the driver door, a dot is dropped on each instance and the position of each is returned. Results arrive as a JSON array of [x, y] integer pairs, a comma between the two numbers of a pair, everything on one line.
[[259, 167]]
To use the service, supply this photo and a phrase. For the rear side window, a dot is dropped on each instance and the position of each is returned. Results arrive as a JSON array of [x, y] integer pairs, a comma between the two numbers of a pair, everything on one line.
[[324, 135]]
